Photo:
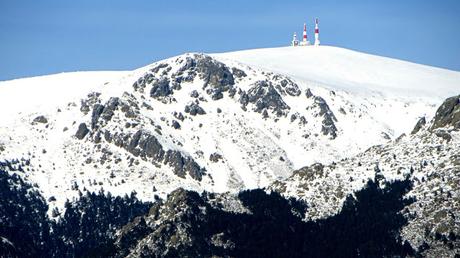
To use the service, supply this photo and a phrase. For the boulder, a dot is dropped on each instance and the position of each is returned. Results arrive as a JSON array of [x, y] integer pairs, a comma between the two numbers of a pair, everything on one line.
[[40, 119], [175, 124], [82, 131], [215, 157]]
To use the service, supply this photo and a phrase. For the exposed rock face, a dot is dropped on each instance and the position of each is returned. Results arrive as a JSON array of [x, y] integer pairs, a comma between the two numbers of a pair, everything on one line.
[[215, 157], [311, 172], [40, 119], [145, 145], [102, 114], [217, 76], [140, 143], [214, 73], [130, 233], [142, 82], [157, 68], [194, 109], [174, 237], [448, 114], [175, 124], [160, 88], [265, 97], [90, 101], [97, 111], [178, 115], [194, 94], [444, 135], [82, 131], [286, 86], [420, 124], [238, 73], [328, 126]]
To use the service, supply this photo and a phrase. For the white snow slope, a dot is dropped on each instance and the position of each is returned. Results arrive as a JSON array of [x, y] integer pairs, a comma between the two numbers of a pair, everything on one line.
[[352, 71], [374, 99], [35, 94]]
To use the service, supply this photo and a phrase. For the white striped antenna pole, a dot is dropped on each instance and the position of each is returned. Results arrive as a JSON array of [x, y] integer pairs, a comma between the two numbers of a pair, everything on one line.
[[317, 42]]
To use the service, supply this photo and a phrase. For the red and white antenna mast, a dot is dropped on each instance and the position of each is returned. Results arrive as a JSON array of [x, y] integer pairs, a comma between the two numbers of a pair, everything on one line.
[[305, 41], [317, 43]]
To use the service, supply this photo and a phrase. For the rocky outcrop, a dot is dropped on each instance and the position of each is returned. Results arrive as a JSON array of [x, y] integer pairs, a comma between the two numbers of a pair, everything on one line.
[[131, 233], [143, 81], [174, 235], [328, 127], [97, 111], [160, 88], [217, 76], [194, 109], [420, 124], [265, 97], [140, 143], [308, 93], [311, 172], [238, 73], [215, 157], [443, 134], [89, 102], [448, 114], [102, 114], [145, 145], [286, 86], [188, 224], [158, 67]]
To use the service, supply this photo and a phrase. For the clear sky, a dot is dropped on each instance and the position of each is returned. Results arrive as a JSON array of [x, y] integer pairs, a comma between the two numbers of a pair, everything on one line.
[[51, 36]]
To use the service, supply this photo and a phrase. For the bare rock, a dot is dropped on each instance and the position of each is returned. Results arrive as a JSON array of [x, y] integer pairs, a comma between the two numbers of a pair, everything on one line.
[[82, 131]]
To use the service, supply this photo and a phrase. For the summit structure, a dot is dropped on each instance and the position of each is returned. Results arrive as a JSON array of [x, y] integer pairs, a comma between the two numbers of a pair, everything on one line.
[[317, 42], [305, 41]]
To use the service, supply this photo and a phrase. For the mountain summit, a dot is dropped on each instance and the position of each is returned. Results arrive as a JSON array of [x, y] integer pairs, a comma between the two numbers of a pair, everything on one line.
[[313, 123], [214, 122]]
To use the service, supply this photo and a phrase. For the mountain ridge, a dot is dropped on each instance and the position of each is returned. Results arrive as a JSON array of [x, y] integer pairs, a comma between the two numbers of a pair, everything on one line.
[[267, 103], [214, 125]]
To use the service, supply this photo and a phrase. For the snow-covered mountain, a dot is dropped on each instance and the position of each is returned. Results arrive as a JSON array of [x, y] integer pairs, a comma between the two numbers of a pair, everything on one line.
[[312, 123], [219, 122]]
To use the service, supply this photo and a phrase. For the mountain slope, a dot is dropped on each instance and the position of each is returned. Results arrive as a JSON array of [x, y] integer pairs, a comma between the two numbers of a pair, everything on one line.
[[193, 121], [341, 140], [352, 71], [429, 157], [41, 93]]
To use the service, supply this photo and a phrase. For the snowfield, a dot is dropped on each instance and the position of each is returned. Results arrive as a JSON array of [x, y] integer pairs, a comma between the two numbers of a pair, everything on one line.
[[355, 72], [35, 94]]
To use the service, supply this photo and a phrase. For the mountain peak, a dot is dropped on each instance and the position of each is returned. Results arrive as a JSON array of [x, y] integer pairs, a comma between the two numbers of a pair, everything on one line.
[[343, 69]]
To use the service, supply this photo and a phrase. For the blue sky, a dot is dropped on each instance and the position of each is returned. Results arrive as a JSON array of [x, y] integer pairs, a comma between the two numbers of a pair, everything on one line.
[[50, 36]]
